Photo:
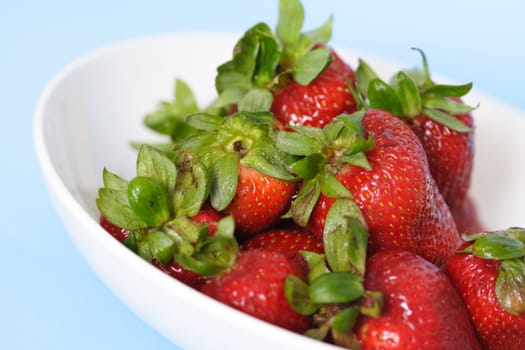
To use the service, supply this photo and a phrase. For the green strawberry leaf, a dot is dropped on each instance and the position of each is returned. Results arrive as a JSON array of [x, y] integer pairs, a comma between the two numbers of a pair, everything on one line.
[[345, 237], [322, 34], [372, 304], [364, 74], [497, 246], [298, 296], [510, 286], [304, 203], [224, 178], [309, 167], [448, 90], [267, 59], [205, 121], [447, 120], [303, 141], [345, 320], [148, 199], [290, 22], [160, 246], [156, 165], [383, 96], [408, 94], [316, 264], [182, 229], [257, 100], [115, 206], [268, 160], [446, 104], [336, 287], [113, 181], [193, 185], [309, 66], [168, 118], [331, 187]]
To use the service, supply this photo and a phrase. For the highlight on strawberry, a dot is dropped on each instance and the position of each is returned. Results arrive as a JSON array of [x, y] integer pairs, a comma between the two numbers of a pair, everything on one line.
[[324, 200]]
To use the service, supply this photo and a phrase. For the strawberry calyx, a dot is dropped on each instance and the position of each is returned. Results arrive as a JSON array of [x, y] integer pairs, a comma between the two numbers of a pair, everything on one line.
[[334, 292], [224, 144], [412, 93], [262, 59], [508, 247], [156, 206], [322, 153]]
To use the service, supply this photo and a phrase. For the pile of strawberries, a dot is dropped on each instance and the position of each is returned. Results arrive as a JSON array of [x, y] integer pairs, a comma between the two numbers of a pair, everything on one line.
[[324, 200]]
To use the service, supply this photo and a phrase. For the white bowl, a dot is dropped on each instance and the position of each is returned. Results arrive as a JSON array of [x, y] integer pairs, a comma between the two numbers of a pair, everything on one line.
[[91, 110]]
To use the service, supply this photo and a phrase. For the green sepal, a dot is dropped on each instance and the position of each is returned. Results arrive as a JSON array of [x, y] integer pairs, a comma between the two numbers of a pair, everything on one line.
[[160, 246], [319, 333], [321, 34], [336, 287], [497, 246], [205, 121], [408, 94], [192, 187], [345, 237], [268, 58], [297, 293], [331, 187], [364, 74], [148, 199], [316, 264], [257, 100], [169, 117], [345, 320], [446, 119], [114, 205], [510, 286], [383, 96], [448, 90], [372, 303], [268, 160], [157, 166], [211, 256], [113, 181], [303, 205], [289, 25], [183, 228], [309, 66], [446, 104], [309, 167], [224, 179], [303, 141]]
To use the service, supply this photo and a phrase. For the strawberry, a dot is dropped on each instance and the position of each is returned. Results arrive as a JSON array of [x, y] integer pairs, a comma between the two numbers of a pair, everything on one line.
[[467, 218], [389, 180], [490, 276], [422, 309], [255, 285], [293, 74], [259, 201], [436, 114], [315, 104], [247, 175], [289, 240]]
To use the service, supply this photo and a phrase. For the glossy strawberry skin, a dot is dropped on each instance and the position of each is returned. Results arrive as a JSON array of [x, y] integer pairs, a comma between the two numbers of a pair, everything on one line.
[[422, 309], [398, 197], [119, 233], [467, 217], [255, 286], [450, 156], [290, 241], [260, 201], [319, 102], [475, 278]]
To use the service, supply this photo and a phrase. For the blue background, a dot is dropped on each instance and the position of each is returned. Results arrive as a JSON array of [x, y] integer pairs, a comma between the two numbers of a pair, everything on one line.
[[49, 298]]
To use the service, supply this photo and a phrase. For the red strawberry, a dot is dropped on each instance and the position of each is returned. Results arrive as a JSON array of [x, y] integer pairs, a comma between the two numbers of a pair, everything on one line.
[[317, 103], [289, 241], [490, 276], [422, 309], [119, 233], [441, 121], [397, 195], [260, 201], [467, 218], [255, 285], [450, 156]]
